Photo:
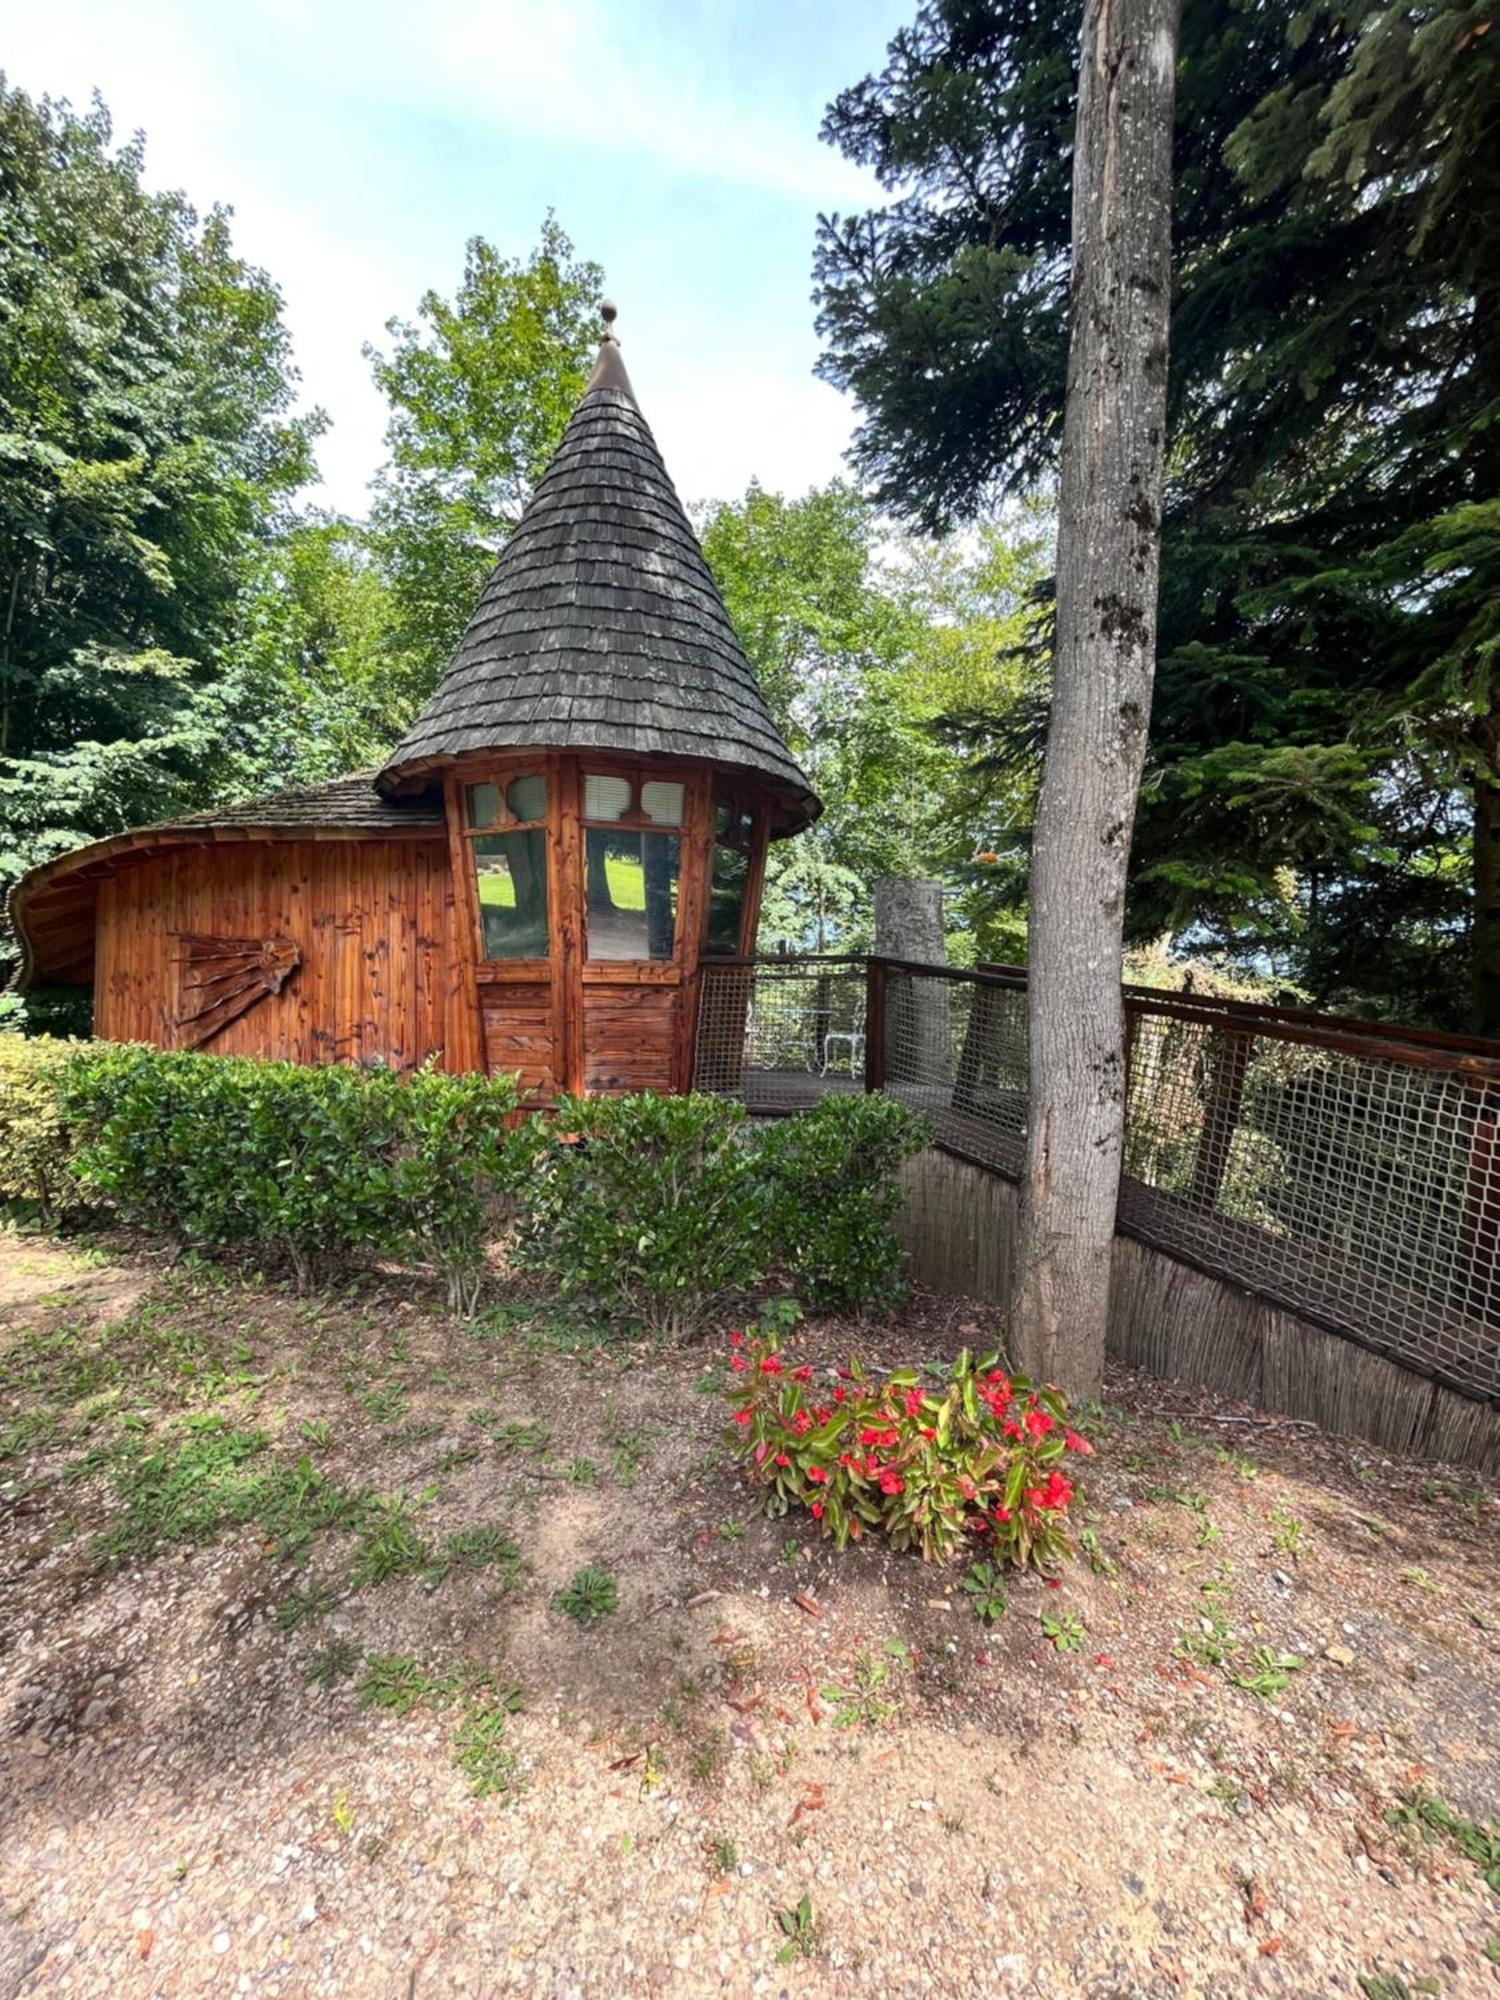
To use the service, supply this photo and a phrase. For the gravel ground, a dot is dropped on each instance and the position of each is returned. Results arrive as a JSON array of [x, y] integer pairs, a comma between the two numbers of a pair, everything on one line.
[[968, 1810]]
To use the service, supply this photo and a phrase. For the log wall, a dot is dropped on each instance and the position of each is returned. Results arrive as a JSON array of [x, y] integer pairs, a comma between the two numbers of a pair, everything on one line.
[[959, 1224], [374, 920]]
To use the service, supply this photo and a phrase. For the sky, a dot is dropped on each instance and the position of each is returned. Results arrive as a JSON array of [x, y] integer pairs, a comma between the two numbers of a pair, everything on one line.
[[361, 145]]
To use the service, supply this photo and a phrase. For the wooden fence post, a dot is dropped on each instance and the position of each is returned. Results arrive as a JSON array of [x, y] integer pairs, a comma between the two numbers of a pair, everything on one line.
[[1221, 1114]]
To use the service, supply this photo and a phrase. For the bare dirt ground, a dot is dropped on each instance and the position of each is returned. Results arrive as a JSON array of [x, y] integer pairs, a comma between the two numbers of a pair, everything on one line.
[[351, 1749]]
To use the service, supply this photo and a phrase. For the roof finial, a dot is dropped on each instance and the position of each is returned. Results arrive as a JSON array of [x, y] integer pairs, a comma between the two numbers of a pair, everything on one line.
[[607, 312], [609, 368]]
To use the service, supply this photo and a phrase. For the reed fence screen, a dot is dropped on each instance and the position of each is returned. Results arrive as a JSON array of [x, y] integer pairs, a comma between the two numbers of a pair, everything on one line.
[[1347, 1172]]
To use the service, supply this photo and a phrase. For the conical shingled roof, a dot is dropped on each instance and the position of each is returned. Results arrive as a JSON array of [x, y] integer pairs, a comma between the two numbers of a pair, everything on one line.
[[601, 627]]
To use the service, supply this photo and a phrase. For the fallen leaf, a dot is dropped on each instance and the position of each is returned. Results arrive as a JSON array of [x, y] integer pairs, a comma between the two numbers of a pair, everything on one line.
[[1269, 1947], [144, 1941], [624, 1763], [1341, 1730], [808, 1604]]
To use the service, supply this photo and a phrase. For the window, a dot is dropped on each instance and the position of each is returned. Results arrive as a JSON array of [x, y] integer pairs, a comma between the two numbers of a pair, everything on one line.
[[510, 865], [729, 877], [631, 870]]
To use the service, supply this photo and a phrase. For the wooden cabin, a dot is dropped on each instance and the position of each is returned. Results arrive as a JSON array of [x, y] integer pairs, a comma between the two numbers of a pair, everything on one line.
[[576, 819]]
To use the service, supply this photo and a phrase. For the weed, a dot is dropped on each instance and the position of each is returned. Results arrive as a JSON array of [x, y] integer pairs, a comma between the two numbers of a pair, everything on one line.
[[730, 1531], [316, 1432], [331, 1663], [984, 1586], [590, 1596], [476, 1549], [863, 1705], [803, 1938], [723, 1854], [1228, 1794], [1391, 1986], [1286, 1532], [791, 1548], [1270, 1673], [390, 1545], [383, 1403], [511, 1434], [709, 1756], [1065, 1629], [1244, 1468], [493, 1770], [1477, 1841], [1098, 1561], [214, 1479], [1423, 1579], [301, 1607], [455, 1456], [396, 1681], [582, 1472], [341, 1813]]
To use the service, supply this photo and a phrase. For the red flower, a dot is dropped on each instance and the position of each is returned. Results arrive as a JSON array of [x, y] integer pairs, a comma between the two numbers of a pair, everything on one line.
[[891, 1481], [736, 1340], [913, 1401], [771, 1365], [1057, 1492], [802, 1422], [840, 1393], [816, 1474], [869, 1437], [802, 1374], [1076, 1443], [847, 1458], [1012, 1430], [928, 1432], [738, 1363], [872, 1465], [1002, 1513], [817, 1510], [822, 1413], [782, 1459], [742, 1416], [1038, 1422]]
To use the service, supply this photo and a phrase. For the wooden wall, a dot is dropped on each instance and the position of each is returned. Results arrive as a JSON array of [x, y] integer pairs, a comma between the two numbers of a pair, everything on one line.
[[374, 920], [1171, 1320]]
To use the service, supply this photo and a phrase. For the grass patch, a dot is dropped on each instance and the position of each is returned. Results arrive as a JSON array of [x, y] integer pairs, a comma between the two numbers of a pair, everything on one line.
[[590, 1596]]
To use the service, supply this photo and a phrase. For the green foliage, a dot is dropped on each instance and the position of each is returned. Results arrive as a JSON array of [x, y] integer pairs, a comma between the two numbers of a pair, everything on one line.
[[866, 1703], [835, 1188], [1325, 723], [1477, 1842], [316, 1164], [480, 388], [800, 1928], [590, 1596], [929, 1468], [217, 1478], [984, 1586], [146, 454], [390, 1543], [651, 1206], [479, 1746], [36, 1142]]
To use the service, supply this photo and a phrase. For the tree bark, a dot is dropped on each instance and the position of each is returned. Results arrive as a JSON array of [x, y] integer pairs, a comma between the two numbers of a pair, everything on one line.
[[1109, 507]]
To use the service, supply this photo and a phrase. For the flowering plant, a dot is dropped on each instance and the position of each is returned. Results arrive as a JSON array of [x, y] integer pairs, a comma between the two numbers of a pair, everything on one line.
[[981, 1457]]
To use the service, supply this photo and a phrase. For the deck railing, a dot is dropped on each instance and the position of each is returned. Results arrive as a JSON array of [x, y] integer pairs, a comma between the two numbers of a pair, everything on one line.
[[1345, 1171]]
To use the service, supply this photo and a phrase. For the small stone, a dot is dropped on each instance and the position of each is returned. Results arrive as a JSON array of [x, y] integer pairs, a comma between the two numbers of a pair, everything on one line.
[[1341, 1656], [221, 1941]]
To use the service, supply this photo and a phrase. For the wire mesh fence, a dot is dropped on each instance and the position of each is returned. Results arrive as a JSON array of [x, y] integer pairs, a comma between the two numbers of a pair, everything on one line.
[[1348, 1173]]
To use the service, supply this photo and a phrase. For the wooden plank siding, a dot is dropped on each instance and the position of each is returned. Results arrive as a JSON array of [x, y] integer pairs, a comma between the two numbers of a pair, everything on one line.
[[374, 920]]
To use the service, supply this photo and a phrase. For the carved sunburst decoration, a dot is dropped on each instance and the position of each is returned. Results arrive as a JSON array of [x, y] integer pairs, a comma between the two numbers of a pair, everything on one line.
[[223, 978]]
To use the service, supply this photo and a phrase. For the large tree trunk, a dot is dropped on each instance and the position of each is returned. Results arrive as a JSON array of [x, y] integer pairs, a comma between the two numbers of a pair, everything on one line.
[[1109, 506]]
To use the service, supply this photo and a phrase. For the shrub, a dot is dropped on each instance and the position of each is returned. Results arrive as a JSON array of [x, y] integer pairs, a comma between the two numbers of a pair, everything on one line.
[[833, 1188], [36, 1143], [652, 1206], [460, 1158], [317, 1165], [933, 1469]]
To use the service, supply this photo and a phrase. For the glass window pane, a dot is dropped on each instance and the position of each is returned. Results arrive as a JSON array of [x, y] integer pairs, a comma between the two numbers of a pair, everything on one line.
[[723, 815], [605, 797], [662, 802], [527, 797], [631, 885], [511, 871], [726, 901], [484, 805]]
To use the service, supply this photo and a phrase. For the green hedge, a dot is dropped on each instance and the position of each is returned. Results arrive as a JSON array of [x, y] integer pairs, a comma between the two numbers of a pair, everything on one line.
[[316, 1165], [833, 1181], [36, 1140], [656, 1209]]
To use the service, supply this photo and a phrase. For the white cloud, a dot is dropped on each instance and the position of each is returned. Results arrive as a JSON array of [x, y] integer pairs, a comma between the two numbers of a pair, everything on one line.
[[623, 103]]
